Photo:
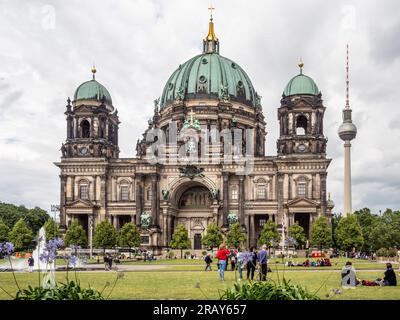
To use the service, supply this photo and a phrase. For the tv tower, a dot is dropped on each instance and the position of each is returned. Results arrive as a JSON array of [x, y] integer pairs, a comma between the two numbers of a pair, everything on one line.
[[347, 132]]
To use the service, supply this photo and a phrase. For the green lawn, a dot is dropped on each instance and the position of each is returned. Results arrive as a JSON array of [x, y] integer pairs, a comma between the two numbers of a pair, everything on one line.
[[182, 285]]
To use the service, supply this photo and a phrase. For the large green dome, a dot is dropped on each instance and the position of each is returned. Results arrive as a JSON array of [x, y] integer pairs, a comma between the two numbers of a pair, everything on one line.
[[92, 90], [209, 75], [301, 84]]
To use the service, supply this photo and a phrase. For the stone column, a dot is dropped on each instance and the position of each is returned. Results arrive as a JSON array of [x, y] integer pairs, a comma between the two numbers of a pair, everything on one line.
[[139, 196], [279, 180], [290, 183], [225, 195], [252, 230], [241, 199], [63, 224], [103, 197], [115, 222], [323, 193], [154, 200]]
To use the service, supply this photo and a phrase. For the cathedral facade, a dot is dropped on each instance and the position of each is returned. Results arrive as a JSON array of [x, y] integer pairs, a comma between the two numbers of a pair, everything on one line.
[[201, 159]]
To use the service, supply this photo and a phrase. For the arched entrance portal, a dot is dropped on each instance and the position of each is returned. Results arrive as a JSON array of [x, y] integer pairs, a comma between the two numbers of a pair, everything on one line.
[[195, 209]]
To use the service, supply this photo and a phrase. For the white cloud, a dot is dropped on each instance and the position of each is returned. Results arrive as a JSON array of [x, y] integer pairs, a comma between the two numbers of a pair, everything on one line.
[[136, 45]]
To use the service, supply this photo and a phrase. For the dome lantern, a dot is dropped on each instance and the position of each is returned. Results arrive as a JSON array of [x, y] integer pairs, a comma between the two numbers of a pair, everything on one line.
[[211, 43]]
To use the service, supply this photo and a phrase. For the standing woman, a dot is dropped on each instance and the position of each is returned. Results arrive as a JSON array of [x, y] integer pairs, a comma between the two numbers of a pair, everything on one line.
[[251, 264], [222, 256]]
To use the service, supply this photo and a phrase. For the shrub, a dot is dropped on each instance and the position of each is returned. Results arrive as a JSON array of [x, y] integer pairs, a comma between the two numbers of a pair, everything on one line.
[[382, 252], [66, 291], [171, 254], [267, 290], [204, 253], [392, 252], [187, 253]]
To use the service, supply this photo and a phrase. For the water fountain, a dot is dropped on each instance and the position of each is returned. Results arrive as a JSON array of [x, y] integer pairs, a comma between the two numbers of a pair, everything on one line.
[[41, 243]]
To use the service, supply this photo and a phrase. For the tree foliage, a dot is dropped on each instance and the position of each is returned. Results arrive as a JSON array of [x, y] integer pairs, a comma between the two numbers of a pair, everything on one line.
[[235, 237], [105, 235], [180, 239], [51, 229], [34, 218], [20, 235], [129, 235], [349, 234], [75, 235], [321, 233], [214, 236], [297, 233], [269, 234], [4, 232]]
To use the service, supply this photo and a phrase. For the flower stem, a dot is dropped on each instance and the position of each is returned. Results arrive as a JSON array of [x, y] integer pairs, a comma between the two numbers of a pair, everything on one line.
[[12, 270]]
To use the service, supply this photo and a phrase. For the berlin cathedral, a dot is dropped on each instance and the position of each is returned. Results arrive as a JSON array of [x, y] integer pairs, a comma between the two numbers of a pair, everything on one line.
[[184, 171]]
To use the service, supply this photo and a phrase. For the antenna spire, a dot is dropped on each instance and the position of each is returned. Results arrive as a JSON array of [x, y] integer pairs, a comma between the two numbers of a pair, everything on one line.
[[347, 78]]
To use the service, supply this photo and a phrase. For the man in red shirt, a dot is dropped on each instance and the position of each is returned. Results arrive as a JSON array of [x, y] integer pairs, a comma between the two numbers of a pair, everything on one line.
[[222, 256]]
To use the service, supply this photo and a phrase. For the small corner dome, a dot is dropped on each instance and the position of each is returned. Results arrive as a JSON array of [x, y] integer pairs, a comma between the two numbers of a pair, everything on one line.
[[92, 90], [301, 84]]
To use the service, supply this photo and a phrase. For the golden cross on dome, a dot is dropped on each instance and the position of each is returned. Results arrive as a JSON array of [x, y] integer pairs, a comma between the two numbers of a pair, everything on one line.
[[93, 71], [211, 8]]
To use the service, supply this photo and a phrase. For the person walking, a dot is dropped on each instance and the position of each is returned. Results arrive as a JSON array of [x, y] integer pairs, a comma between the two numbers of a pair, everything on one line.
[[262, 258], [31, 263], [240, 263], [110, 261], [208, 261], [105, 259], [222, 256], [251, 264]]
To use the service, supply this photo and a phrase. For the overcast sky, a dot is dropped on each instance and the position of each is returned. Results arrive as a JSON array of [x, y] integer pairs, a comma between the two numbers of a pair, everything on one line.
[[47, 49]]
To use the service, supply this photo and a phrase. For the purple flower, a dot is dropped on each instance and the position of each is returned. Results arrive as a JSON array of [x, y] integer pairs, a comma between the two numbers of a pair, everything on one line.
[[6, 248], [50, 250]]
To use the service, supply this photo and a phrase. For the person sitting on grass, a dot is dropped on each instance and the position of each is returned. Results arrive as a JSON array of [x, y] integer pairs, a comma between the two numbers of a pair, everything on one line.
[[306, 263], [390, 276], [349, 272]]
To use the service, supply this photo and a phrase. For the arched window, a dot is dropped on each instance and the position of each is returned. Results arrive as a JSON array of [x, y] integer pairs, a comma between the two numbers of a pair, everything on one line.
[[85, 129], [124, 192], [84, 191], [301, 125], [234, 193], [261, 189]]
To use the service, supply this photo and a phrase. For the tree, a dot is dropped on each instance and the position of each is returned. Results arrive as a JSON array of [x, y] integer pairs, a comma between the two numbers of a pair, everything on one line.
[[269, 234], [297, 233], [235, 237], [105, 235], [368, 221], [335, 222], [180, 239], [51, 229], [321, 233], [21, 236], [34, 218], [4, 232], [349, 233], [129, 236], [75, 235], [214, 236]]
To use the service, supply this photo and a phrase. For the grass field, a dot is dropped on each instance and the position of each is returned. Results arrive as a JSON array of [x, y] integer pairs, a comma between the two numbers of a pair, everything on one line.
[[184, 285]]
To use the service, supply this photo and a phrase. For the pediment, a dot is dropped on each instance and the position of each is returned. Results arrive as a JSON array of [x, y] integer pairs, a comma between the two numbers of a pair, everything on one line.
[[81, 204], [302, 202], [83, 109]]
